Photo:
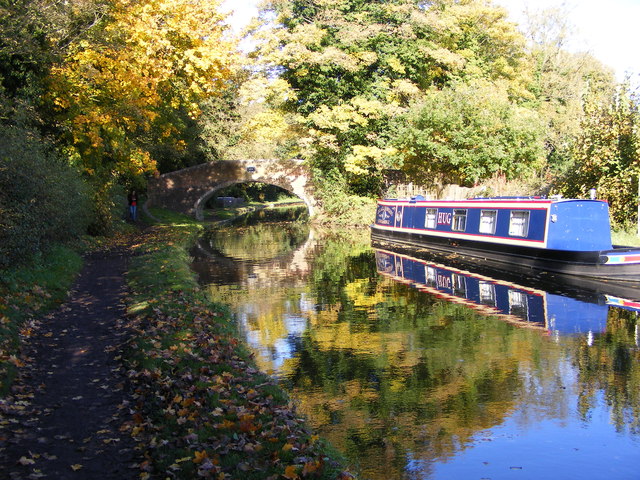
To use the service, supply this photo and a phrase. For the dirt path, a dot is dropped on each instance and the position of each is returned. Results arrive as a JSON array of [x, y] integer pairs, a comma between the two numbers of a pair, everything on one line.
[[67, 409]]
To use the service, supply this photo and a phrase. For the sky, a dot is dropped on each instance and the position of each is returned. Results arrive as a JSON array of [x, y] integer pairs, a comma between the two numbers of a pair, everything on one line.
[[608, 29]]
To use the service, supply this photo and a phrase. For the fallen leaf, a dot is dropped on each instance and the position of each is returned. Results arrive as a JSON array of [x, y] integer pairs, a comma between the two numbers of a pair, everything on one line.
[[16, 361], [291, 472], [75, 467], [310, 467], [198, 457]]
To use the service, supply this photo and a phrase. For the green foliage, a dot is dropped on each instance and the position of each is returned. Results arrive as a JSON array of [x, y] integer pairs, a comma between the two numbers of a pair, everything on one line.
[[353, 67], [606, 156], [338, 206], [107, 204], [468, 133], [559, 82], [254, 192], [218, 127], [24, 51], [42, 200]]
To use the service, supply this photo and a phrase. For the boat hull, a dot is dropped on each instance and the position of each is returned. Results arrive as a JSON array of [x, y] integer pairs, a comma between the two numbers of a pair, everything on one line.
[[588, 264]]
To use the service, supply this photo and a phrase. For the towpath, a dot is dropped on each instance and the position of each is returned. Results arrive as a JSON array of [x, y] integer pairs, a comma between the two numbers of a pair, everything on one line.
[[64, 416]]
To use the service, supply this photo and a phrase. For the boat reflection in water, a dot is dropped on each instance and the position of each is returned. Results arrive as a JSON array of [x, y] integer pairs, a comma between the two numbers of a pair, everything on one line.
[[526, 306]]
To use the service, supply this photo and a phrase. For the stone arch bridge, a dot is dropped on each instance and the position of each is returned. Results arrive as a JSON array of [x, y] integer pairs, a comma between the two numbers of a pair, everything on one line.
[[187, 191]]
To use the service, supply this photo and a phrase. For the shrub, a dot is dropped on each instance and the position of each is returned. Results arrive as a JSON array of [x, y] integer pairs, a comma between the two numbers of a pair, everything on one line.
[[338, 207], [42, 199]]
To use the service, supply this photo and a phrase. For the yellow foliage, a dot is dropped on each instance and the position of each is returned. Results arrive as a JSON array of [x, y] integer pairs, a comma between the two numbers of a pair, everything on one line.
[[396, 65], [364, 158], [153, 54], [358, 293]]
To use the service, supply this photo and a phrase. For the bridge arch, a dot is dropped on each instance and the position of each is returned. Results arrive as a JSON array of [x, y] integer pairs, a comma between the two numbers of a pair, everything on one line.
[[187, 190]]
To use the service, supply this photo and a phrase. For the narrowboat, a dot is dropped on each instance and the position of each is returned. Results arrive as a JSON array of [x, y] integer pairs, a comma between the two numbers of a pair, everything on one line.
[[564, 236], [522, 305]]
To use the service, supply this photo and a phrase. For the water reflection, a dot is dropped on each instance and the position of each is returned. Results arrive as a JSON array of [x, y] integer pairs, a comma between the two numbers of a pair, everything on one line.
[[522, 305], [384, 354]]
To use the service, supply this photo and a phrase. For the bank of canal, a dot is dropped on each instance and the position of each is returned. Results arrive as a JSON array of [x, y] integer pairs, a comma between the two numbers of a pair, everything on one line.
[[201, 409], [412, 379]]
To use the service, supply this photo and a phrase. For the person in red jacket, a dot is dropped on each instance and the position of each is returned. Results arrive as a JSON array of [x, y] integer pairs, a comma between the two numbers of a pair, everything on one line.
[[133, 205]]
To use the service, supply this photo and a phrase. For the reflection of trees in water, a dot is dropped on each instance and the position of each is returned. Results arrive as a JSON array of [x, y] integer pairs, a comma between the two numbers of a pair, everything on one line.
[[611, 365], [391, 375], [258, 242], [280, 214]]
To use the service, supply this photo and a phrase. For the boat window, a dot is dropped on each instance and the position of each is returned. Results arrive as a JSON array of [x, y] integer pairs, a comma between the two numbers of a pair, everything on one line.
[[459, 220], [519, 223], [399, 214], [518, 304], [430, 220], [432, 277], [459, 285], [488, 221], [487, 294]]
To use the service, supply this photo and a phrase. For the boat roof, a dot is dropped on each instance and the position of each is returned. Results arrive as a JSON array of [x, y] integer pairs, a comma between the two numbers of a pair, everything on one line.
[[510, 199]]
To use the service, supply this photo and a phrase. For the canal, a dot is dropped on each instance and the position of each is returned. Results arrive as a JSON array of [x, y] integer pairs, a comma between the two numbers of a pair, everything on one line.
[[416, 368]]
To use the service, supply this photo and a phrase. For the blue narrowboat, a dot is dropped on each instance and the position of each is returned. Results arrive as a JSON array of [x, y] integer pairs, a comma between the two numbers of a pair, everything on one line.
[[566, 236]]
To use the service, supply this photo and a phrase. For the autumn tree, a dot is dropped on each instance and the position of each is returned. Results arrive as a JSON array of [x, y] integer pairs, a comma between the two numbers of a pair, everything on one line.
[[354, 66], [43, 200], [246, 123], [129, 84], [135, 85]]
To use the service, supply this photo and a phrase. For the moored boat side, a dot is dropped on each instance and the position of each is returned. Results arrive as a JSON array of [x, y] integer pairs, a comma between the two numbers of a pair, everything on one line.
[[571, 237]]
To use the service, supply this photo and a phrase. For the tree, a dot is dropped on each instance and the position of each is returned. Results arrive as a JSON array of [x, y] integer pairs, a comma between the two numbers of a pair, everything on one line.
[[354, 65], [467, 133], [560, 81], [606, 155], [42, 199], [246, 124], [137, 81]]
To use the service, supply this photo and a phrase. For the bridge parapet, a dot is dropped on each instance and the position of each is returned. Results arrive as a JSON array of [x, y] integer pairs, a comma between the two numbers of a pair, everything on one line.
[[187, 191]]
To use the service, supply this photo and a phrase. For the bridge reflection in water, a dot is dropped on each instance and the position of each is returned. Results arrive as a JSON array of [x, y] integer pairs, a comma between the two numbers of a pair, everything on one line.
[[521, 305]]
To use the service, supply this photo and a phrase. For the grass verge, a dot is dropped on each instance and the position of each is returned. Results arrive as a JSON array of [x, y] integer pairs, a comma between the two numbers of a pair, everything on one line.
[[625, 237], [26, 293], [202, 408]]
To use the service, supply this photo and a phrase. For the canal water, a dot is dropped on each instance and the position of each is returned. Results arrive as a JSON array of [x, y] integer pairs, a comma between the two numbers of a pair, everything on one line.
[[418, 368]]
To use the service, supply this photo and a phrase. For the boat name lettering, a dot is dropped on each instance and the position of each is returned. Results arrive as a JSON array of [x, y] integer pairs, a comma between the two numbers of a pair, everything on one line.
[[444, 218], [444, 281]]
